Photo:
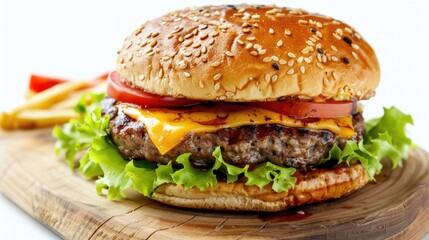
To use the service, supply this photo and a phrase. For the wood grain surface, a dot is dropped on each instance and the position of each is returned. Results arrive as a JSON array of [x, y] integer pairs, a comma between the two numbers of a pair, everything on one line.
[[395, 206]]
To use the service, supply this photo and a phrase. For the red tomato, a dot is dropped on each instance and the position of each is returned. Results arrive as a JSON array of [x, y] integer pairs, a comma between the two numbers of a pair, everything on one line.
[[305, 109], [39, 83], [125, 93]]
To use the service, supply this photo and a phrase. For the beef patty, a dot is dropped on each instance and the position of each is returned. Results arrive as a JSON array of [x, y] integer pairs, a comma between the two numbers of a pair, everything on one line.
[[284, 146]]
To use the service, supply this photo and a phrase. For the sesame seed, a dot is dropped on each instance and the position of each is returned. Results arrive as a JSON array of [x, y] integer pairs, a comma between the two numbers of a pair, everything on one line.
[[130, 57], [256, 16], [301, 21], [324, 58], [177, 29], [355, 46], [266, 59], [282, 62], [204, 49], [287, 32], [334, 48], [291, 55], [325, 81], [241, 10], [302, 69], [346, 60], [197, 53], [187, 74], [251, 38], [290, 71], [155, 34], [275, 58], [255, 25], [299, 60], [319, 34], [291, 62], [165, 58], [177, 19], [359, 93], [355, 55], [229, 94], [339, 31], [348, 30], [280, 43], [141, 77], [215, 34], [335, 59], [254, 53], [319, 65], [203, 26], [274, 78], [204, 36], [201, 84], [150, 53], [217, 86], [217, 76], [267, 77], [246, 30], [215, 64], [336, 22], [319, 45], [212, 41], [153, 43], [181, 39], [262, 51], [337, 36], [305, 50], [187, 54], [275, 66], [229, 54], [161, 73], [223, 27], [188, 43], [271, 31], [249, 45], [347, 40], [308, 59], [128, 44], [196, 45], [245, 24], [310, 43], [182, 64], [300, 212], [222, 98], [240, 42]]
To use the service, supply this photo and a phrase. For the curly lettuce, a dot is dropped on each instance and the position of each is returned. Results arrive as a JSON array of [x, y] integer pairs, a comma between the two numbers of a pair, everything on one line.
[[100, 159]]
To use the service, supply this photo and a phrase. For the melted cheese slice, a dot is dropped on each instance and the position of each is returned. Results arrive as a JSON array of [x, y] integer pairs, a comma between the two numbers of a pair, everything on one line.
[[167, 128]]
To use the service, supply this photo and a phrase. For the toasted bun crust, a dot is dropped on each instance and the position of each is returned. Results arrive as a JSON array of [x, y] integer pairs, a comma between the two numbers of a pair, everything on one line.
[[313, 187], [249, 53]]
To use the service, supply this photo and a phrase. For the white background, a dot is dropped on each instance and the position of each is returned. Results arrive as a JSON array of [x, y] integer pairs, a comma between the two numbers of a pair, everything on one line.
[[79, 39]]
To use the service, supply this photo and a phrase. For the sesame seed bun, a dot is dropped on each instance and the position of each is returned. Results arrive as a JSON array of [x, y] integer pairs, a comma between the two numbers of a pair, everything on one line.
[[249, 53], [312, 187]]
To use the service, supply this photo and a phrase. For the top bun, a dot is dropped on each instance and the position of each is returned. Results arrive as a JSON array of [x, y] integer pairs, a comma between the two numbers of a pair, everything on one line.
[[249, 53]]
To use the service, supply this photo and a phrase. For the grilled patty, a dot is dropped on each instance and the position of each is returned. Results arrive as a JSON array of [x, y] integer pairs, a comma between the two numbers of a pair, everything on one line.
[[251, 144]]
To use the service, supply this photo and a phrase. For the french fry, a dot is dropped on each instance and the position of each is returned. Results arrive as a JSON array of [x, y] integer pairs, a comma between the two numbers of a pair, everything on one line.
[[74, 98], [43, 118], [42, 100]]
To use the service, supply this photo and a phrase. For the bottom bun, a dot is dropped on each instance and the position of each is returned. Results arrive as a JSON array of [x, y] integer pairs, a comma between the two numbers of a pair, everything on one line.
[[315, 186]]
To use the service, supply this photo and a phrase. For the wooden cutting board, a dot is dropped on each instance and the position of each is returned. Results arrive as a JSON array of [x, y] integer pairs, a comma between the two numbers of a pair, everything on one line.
[[396, 205]]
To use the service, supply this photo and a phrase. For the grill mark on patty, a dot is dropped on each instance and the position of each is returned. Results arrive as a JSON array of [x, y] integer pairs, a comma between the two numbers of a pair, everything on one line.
[[285, 146]]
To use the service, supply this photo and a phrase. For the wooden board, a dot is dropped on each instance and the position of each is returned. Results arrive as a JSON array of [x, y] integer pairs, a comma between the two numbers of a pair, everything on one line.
[[397, 205]]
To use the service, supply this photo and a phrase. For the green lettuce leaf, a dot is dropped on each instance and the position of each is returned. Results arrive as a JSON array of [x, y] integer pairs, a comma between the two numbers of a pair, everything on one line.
[[385, 138], [102, 160]]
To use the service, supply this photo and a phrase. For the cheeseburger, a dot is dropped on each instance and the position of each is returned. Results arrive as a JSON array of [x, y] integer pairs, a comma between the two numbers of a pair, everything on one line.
[[241, 107]]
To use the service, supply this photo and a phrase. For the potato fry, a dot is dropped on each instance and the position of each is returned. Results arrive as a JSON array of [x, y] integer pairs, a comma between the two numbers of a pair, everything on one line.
[[43, 118], [42, 100], [74, 98]]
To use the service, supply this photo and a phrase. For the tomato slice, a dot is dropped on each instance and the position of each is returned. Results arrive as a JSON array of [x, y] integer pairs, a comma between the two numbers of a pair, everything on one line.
[[125, 93], [304, 109], [39, 83]]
